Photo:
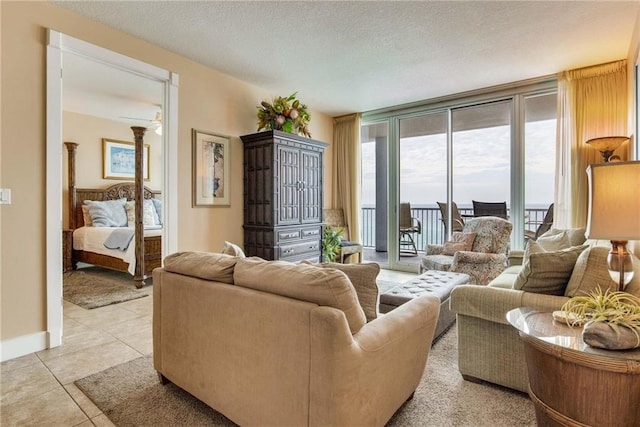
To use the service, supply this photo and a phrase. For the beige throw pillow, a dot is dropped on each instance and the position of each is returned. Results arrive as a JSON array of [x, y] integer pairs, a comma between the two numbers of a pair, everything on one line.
[[86, 216], [232, 249], [459, 242], [363, 278], [590, 273], [546, 272], [149, 214]]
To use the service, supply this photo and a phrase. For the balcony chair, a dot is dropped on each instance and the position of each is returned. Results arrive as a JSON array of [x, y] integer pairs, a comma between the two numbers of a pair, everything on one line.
[[545, 225], [486, 258], [458, 222], [335, 218], [408, 227], [498, 209]]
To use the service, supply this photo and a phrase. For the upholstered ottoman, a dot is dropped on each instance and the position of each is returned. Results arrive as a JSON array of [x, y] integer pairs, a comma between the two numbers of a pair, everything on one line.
[[432, 282]]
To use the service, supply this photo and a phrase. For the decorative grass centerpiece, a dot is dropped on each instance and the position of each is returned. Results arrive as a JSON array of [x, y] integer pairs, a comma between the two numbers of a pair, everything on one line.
[[612, 319], [285, 114]]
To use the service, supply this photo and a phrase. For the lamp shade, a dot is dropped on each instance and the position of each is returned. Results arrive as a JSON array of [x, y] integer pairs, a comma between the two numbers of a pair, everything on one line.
[[614, 201]]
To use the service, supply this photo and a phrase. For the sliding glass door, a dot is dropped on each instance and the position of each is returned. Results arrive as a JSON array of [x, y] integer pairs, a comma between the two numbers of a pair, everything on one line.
[[419, 160]]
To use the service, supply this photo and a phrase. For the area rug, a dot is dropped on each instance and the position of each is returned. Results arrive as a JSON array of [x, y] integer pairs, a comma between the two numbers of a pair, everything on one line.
[[94, 287], [131, 395]]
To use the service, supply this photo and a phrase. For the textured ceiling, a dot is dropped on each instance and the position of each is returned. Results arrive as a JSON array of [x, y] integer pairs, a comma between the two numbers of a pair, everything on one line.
[[345, 57]]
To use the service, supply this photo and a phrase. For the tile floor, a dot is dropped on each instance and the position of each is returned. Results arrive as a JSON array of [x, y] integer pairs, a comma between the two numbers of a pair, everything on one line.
[[38, 389]]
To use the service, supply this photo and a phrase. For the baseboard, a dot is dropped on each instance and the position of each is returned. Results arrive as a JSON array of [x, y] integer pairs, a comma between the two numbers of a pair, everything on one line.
[[22, 345]]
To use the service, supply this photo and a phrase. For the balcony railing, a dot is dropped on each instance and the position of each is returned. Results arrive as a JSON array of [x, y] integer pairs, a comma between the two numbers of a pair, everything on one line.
[[432, 226]]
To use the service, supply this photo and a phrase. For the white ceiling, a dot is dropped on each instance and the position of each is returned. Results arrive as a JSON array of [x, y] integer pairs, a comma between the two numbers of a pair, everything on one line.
[[349, 56]]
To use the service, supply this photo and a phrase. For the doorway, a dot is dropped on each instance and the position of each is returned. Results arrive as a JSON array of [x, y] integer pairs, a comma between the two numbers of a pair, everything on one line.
[[58, 46]]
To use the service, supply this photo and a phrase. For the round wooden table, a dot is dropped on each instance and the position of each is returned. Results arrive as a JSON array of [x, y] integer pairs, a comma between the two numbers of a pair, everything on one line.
[[571, 383]]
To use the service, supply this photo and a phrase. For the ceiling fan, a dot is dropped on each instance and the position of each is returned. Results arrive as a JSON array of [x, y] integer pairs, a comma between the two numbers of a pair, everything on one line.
[[155, 123]]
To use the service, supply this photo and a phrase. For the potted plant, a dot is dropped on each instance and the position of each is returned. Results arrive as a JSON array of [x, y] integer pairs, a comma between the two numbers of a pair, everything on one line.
[[611, 319], [285, 114], [331, 238]]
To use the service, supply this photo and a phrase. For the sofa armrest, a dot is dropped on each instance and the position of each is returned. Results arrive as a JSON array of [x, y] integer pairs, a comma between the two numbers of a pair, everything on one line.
[[398, 323], [382, 363], [492, 304]]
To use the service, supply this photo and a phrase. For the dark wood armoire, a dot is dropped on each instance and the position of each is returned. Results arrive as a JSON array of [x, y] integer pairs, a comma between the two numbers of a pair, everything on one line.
[[283, 196]]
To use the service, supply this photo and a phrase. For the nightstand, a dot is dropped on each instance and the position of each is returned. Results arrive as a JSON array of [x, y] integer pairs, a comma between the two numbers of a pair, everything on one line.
[[67, 250]]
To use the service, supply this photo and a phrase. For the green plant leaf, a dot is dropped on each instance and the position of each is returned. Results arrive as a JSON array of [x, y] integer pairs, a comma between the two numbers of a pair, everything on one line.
[[288, 126]]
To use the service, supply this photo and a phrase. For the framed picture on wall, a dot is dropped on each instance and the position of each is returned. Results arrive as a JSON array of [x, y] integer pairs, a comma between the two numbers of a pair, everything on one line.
[[119, 160], [211, 167]]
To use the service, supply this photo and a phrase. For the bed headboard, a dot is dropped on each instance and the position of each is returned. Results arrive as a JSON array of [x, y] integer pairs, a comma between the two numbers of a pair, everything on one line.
[[114, 192]]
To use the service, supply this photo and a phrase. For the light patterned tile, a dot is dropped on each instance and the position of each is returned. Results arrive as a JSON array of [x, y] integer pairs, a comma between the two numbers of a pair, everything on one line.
[[87, 406], [72, 327], [141, 306], [75, 343], [122, 330], [102, 317], [73, 366], [25, 383], [102, 421], [18, 362], [86, 423], [53, 408], [141, 342]]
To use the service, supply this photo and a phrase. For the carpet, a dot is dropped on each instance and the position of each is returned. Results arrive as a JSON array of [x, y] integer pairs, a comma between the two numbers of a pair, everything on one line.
[[131, 395], [94, 287]]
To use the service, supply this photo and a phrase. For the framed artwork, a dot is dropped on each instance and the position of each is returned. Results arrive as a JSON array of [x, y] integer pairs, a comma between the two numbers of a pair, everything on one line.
[[119, 160], [211, 167]]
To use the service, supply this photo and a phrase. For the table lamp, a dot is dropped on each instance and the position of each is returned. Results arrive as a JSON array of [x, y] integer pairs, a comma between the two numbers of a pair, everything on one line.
[[607, 145], [614, 213]]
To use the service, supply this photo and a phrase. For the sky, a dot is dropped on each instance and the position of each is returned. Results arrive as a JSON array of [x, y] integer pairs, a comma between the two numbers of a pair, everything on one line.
[[481, 166]]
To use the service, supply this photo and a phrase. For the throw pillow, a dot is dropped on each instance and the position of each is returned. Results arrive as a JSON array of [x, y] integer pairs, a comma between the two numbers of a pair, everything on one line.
[[363, 278], [459, 242], [555, 242], [86, 216], [232, 249], [576, 235], [108, 213], [149, 215], [590, 273], [546, 272]]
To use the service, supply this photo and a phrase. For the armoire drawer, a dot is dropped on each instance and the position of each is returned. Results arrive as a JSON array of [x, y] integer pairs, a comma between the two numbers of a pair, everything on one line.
[[293, 250], [291, 234]]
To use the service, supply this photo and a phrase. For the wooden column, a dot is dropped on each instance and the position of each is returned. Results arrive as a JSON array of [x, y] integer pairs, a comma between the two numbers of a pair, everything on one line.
[[138, 134], [71, 168]]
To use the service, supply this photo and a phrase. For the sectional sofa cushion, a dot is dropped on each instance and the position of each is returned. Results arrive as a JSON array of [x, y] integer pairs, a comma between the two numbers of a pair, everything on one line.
[[363, 278], [322, 286], [546, 272], [205, 265]]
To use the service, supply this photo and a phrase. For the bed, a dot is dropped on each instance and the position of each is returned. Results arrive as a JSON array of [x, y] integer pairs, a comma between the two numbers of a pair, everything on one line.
[[88, 241]]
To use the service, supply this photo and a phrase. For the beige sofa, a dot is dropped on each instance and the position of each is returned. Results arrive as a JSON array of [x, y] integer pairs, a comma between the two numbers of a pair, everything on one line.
[[280, 344], [489, 348]]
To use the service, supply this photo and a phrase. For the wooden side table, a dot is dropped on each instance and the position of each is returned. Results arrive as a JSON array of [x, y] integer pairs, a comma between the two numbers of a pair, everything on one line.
[[67, 250], [571, 383]]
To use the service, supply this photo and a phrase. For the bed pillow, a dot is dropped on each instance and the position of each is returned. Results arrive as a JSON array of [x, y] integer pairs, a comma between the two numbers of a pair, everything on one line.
[[149, 215], [459, 242], [157, 203], [86, 216], [108, 213]]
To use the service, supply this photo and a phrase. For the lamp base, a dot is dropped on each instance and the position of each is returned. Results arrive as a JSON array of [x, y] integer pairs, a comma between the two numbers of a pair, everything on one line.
[[620, 263]]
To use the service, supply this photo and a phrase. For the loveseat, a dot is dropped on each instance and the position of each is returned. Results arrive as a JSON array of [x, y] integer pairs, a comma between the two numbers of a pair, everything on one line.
[[275, 343], [489, 348]]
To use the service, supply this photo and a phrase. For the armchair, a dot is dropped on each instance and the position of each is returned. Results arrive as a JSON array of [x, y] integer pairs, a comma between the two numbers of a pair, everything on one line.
[[408, 226], [487, 257], [335, 218]]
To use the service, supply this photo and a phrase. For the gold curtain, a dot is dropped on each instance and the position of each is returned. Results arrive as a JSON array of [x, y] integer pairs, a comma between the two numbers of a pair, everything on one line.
[[592, 102], [346, 171]]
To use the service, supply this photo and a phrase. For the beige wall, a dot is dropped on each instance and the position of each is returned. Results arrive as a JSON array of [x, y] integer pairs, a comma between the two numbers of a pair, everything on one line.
[[208, 100], [88, 132]]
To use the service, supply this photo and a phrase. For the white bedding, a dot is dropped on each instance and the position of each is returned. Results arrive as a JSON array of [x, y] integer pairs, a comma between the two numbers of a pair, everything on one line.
[[91, 239]]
